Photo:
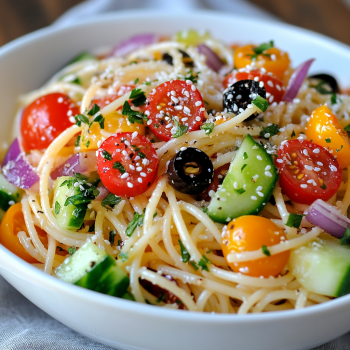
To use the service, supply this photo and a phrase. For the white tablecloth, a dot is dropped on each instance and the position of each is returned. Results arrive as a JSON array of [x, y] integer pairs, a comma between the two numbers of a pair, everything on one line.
[[23, 326]]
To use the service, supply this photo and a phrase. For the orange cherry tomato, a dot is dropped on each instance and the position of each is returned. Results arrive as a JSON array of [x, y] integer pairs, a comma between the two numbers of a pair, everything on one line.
[[11, 224], [324, 129], [273, 60], [248, 233]]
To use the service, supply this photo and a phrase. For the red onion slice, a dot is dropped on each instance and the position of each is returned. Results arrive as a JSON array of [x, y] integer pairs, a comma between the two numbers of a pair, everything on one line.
[[213, 60], [16, 168], [328, 218], [296, 80], [84, 162], [136, 42], [103, 193]]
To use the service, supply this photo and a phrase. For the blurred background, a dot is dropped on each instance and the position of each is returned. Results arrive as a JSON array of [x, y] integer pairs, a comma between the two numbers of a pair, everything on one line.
[[329, 17]]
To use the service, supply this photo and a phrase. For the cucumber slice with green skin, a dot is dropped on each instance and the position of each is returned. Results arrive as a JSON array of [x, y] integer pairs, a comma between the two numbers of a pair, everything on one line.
[[92, 268], [247, 186], [9, 194], [322, 266], [69, 217]]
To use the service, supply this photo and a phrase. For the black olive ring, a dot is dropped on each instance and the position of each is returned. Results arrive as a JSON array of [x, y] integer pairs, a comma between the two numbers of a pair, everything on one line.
[[190, 171]]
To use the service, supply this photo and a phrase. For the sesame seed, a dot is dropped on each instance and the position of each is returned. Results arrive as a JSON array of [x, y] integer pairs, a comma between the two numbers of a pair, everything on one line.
[[143, 174], [99, 143], [149, 122], [235, 185], [253, 198], [130, 185], [261, 84], [259, 188], [303, 186], [333, 168], [193, 88], [259, 157], [179, 107], [260, 194], [139, 168], [187, 110], [147, 113], [125, 153], [139, 180], [131, 167], [270, 83], [174, 99], [267, 135], [184, 119], [134, 134], [279, 160], [238, 97], [268, 174], [124, 176], [173, 93], [308, 167], [296, 100], [198, 119], [316, 150], [186, 93], [60, 100], [198, 103], [169, 126], [268, 167], [189, 82], [72, 119]]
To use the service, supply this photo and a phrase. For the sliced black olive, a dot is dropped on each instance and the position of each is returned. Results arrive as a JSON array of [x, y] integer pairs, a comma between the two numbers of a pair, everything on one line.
[[329, 80], [190, 171], [241, 94], [167, 58], [186, 59]]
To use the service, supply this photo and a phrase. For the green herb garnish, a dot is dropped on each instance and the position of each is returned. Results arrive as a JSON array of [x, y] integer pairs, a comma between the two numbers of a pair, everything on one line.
[[180, 129], [208, 128], [112, 235], [265, 250], [294, 220], [119, 166], [110, 201], [185, 255], [269, 131], [136, 221], [72, 250], [57, 208]]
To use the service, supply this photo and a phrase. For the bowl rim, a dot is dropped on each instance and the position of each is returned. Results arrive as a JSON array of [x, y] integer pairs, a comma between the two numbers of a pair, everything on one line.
[[15, 265]]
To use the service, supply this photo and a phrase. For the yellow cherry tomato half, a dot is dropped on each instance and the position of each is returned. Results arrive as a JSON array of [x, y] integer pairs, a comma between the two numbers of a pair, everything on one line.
[[12, 223], [324, 129], [248, 233], [273, 60], [114, 122]]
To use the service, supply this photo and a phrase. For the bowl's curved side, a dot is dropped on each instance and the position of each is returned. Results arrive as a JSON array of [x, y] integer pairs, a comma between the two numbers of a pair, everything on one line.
[[127, 325], [27, 63]]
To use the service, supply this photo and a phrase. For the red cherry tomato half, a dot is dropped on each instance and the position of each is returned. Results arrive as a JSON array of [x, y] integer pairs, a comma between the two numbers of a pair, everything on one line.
[[127, 164], [307, 171], [273, 86], [46, 118], [171, 102]]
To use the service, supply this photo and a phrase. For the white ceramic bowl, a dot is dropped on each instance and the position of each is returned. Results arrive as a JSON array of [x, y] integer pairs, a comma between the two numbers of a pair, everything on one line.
[[28, 62]]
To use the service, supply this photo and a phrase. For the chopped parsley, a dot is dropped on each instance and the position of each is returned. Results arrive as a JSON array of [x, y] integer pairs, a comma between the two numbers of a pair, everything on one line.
[[72, 250], [185, 255], [136, 81], [190, 76], [135, 148], [161, 297], [240, 191], [141, 155], [294, 220], [293, 134], [245, 155], [244, 165], [99, 119], [137, 97], [112, 235], [77, 142], [194, 265], [106, 155], [133, 116], [123, 256], [136, 221], [265, 250], [334, 99], [180, 129], [203, 263], [88, 144], [81, 118], [328, 140], [208, 128], [57, 208], [323, 186], [269, 131], [346, 237], [119, 166], [259, 50], [110, 201], [319, 87], [95, 108], [205, 210]]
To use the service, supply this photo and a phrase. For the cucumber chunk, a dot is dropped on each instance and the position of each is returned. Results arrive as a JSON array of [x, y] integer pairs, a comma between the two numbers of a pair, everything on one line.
[[68, 217], [92, 268], [247, 186], [83, 56], [9, 194], [322, 266]]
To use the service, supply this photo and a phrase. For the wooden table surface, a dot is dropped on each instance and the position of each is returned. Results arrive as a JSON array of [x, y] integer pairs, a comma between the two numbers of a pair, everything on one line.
[[329, 17]]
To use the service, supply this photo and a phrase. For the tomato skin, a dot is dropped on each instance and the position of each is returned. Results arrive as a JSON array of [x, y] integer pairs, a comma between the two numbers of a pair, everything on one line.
[[11, 224], [136, 168], [104, 101], [248, 233], [46, 118], [323, 126], [273, 86], [161, 100], [278, 66], [294, 158]]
